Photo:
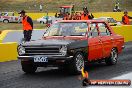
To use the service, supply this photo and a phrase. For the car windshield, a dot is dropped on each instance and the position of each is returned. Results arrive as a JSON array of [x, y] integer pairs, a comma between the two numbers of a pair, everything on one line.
[[111, 20], [64, 10], [67, 29]]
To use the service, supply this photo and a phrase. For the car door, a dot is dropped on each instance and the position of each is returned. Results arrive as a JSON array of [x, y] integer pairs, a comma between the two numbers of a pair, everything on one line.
[[106, 38], [95, 50]]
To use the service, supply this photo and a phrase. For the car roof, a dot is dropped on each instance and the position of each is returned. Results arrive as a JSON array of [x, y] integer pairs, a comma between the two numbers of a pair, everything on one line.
[[66, 6], [81, 21]]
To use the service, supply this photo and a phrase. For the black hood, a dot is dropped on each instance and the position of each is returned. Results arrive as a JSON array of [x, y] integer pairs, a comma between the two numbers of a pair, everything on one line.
[[70, 43], [49, 42]]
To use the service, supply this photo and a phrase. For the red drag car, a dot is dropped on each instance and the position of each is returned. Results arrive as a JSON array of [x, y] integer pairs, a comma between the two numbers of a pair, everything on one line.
[[70, 44]]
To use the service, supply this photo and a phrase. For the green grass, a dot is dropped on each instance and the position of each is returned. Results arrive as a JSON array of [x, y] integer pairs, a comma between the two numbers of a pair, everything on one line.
[[52, 5]]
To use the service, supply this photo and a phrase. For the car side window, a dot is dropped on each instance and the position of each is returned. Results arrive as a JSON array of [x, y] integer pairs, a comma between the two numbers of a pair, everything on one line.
[[93, 30], [81, 28], [104, 31]]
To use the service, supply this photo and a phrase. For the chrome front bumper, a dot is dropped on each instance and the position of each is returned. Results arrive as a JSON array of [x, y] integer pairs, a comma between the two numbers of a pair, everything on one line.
[[48, 57]]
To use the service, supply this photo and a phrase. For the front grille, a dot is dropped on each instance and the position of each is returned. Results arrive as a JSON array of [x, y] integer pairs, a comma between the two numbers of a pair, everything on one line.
[[42, 50]]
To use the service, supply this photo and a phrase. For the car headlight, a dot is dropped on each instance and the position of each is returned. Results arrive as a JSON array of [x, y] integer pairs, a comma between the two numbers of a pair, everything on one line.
[[63, 50], [21, 50]]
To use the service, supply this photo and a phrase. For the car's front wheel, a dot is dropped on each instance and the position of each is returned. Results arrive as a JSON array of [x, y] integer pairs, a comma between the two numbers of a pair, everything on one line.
[[28, 67], [5, 21], [112, 60], [76, 64]]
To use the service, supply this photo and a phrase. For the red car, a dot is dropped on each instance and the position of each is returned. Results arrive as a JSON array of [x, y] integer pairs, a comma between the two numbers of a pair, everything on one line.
[[70, 44]]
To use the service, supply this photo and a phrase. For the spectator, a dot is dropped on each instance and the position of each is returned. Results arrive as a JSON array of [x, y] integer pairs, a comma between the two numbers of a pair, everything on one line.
[[125, 18], [67, 16], [40, 7], [27, 25], [117, 5], [56, 15], [86, 15]]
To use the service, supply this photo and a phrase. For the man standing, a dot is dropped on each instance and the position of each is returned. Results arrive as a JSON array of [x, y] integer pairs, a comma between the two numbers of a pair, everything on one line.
[[125, 18], [27, 25], [40, 7], [86, 15], [117, 5]]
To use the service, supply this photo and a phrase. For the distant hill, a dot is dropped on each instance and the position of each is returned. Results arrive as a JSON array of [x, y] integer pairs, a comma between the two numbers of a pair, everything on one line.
[[52, 5]]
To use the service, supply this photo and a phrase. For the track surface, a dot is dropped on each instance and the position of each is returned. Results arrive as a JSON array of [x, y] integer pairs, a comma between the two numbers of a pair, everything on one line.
[[11, 75]]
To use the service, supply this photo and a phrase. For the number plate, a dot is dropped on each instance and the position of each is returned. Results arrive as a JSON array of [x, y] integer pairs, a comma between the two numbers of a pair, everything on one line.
[[40, 59]]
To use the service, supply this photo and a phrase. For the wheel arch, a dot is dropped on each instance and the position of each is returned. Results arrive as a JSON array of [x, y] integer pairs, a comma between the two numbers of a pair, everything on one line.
[[83, 53], [6, 19], [115, 48]]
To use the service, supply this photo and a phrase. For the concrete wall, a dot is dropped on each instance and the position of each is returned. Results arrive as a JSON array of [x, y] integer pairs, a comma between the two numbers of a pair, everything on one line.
[[8, 51], [125, 30]]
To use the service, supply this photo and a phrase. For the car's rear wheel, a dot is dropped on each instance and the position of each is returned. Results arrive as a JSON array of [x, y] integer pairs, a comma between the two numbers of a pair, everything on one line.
[[76, 64], [112, 60], [5, 21], [28, 67]]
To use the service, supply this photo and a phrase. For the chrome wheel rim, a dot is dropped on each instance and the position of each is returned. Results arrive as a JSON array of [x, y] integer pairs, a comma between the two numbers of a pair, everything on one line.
[[114, 55], [5, 21], [79, 62]]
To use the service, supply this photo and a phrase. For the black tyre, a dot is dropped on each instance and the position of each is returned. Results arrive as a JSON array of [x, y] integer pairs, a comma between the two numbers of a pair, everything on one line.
[[28, 67], [5, 21], [119, 10], [112, 60], [75, 66], [41, 22]]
